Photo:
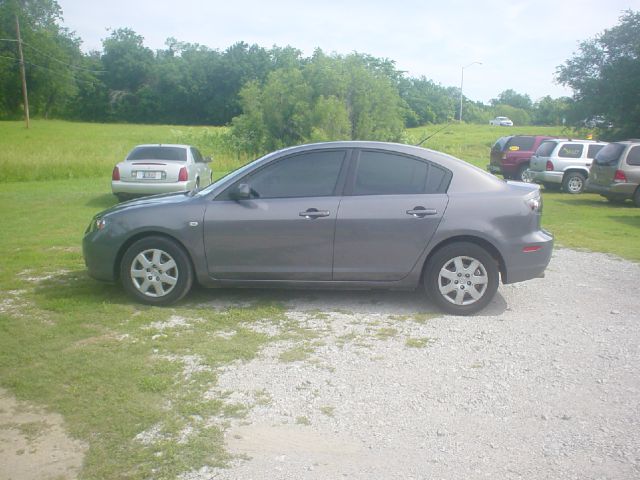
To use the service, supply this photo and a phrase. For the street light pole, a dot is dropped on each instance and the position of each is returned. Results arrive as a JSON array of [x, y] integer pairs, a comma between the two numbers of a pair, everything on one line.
[[462, 84]]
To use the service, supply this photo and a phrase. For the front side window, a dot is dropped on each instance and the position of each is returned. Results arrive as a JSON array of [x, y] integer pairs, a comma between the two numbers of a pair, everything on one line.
[[313, 174], [571, 150], [384, 173]]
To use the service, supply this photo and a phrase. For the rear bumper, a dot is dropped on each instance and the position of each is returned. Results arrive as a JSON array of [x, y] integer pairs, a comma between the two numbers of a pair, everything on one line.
[[136, 188], [621, 190], [494, 169], [546, 176], [521, 265]]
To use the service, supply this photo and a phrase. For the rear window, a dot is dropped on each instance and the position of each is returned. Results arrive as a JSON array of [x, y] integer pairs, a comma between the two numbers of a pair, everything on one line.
[[593, 150], [545, 149], [633, 157], [500, 144], [521, 143], [158, 153], [610, 154]]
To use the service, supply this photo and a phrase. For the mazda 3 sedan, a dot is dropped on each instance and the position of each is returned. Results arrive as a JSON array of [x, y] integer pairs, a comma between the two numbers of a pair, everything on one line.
[[338, 215]]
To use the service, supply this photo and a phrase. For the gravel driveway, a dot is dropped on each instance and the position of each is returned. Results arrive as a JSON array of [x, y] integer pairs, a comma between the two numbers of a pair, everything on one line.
[[544, 384]]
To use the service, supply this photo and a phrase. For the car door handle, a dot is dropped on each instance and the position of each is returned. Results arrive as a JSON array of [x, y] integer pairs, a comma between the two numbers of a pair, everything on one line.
[[312, 213], [421, 212]]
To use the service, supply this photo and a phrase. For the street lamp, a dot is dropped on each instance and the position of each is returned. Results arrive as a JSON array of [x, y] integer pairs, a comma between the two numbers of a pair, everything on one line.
[[462, 83]]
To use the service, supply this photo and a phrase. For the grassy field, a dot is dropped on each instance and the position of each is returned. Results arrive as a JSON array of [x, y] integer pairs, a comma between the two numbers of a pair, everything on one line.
[[106, 364]]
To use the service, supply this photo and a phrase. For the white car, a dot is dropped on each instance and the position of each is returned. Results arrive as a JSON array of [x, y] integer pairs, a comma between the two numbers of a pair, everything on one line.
[[501, 122], [160, 168]]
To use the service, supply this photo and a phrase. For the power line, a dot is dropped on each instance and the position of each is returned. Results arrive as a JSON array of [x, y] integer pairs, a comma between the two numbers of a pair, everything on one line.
[[69, 76], [52, 57]]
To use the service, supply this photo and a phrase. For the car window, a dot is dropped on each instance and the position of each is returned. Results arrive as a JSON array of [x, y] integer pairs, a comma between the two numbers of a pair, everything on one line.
[[593, 150], [197, 157], [158, 153], [633, 157], [546, 148], [610, 154], [499, 145], [313, 174], [571, 150], [384, 173], [521, 143]]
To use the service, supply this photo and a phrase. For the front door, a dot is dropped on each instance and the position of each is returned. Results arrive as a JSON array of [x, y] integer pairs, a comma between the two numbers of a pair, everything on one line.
[[285, 230]]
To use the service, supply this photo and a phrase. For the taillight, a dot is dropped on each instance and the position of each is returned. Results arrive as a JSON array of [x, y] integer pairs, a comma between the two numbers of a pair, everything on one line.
[[620, 177], [549, 166], [183, 176], [115, 175], [534, 202]]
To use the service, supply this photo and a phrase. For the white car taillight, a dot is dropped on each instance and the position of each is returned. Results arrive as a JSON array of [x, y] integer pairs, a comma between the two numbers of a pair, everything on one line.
[[183, 176]]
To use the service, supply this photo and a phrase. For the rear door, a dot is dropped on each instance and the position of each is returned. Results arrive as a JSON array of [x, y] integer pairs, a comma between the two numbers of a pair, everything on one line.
[[392, 207], [286, 230]]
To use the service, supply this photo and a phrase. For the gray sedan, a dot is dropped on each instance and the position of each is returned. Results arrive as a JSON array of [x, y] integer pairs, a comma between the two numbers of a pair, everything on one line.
[[339, 215]]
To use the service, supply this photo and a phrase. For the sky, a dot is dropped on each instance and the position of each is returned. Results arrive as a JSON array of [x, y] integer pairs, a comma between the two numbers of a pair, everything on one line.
[[518, 44]]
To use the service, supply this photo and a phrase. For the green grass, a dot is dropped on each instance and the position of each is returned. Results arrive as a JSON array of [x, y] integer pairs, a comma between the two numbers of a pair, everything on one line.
[[84, 350]]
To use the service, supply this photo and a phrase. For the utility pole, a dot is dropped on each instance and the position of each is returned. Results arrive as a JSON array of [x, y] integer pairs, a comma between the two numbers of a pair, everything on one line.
[[22, 74]]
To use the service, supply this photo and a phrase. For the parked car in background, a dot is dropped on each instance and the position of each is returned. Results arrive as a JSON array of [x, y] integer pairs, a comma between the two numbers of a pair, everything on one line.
[[338, 214], [160, 168], [512, 160], [564, 163], [615, 172], [501, 122]]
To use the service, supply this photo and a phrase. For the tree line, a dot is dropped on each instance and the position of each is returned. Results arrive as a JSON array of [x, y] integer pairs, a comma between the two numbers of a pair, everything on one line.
[[277, 96]]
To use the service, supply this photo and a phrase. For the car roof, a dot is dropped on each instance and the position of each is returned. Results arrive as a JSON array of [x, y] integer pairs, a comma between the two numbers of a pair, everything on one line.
[[161, 145], [573, 140]]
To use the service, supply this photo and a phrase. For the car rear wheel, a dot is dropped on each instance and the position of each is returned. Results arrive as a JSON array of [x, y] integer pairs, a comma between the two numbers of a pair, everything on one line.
[[156, 270], [461, 278], [573, 182], [523, 174]]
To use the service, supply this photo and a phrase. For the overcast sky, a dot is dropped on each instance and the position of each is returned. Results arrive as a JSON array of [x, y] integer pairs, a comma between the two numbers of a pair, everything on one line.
[[520, 43]]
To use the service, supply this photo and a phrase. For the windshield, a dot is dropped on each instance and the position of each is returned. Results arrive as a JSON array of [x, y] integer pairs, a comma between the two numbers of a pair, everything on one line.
[[158, 153], [610, 154]]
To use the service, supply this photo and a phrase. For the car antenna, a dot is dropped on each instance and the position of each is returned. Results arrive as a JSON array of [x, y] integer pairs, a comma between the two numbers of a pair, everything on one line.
[[434, 133]]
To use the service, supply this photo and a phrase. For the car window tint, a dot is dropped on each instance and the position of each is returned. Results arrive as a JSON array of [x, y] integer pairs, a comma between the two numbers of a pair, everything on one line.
[[500, 144], [571, 150], [633, 157], [546, 148], [196, 155], [158, 153], [382, 173], [593, 150], [610, 154], [521, 143], [312, 174]]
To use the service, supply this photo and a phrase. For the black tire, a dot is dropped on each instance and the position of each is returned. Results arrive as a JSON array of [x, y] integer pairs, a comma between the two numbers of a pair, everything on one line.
[[122, 197], [158, 280], [574, 182], [522, 175], [465, 253], [636, 197]]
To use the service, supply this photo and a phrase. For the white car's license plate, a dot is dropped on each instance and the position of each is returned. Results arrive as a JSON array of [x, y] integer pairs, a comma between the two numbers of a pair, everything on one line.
[[149, 175]]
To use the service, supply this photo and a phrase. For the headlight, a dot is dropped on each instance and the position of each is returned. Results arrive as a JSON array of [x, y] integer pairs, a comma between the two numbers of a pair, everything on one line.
[[96, 224]]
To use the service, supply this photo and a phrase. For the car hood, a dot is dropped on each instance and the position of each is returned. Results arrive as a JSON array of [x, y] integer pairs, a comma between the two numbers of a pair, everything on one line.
[[154, 200]]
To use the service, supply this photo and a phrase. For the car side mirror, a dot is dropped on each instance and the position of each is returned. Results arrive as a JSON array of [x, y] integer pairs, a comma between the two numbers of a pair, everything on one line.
[[242, 191]]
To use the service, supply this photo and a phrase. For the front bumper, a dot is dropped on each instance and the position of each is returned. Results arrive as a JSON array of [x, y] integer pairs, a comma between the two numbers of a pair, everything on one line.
[[546, 176], [100, 252], [139, 188]]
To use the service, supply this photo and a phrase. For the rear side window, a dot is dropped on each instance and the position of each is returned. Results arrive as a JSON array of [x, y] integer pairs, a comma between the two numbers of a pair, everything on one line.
[[520, 143], [571, 150], [158, 153], [384, 173], [610, 154], [195, 153], [633, 157], [593, 150], [545, 149]]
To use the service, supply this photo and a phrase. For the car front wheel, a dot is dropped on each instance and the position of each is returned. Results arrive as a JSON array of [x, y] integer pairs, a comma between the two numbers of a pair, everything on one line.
[[156, 270], [461, 278]]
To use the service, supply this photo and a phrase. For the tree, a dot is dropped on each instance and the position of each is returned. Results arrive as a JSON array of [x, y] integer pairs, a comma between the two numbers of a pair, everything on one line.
[[605, 77], [514, 99]]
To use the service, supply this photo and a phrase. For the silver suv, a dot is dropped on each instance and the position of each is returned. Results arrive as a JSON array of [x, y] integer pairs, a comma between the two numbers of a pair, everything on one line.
[[563, 162], [615, 173]]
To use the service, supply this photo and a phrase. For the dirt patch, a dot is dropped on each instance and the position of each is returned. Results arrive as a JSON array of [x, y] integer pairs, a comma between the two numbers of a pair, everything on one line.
[[34, 444]]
